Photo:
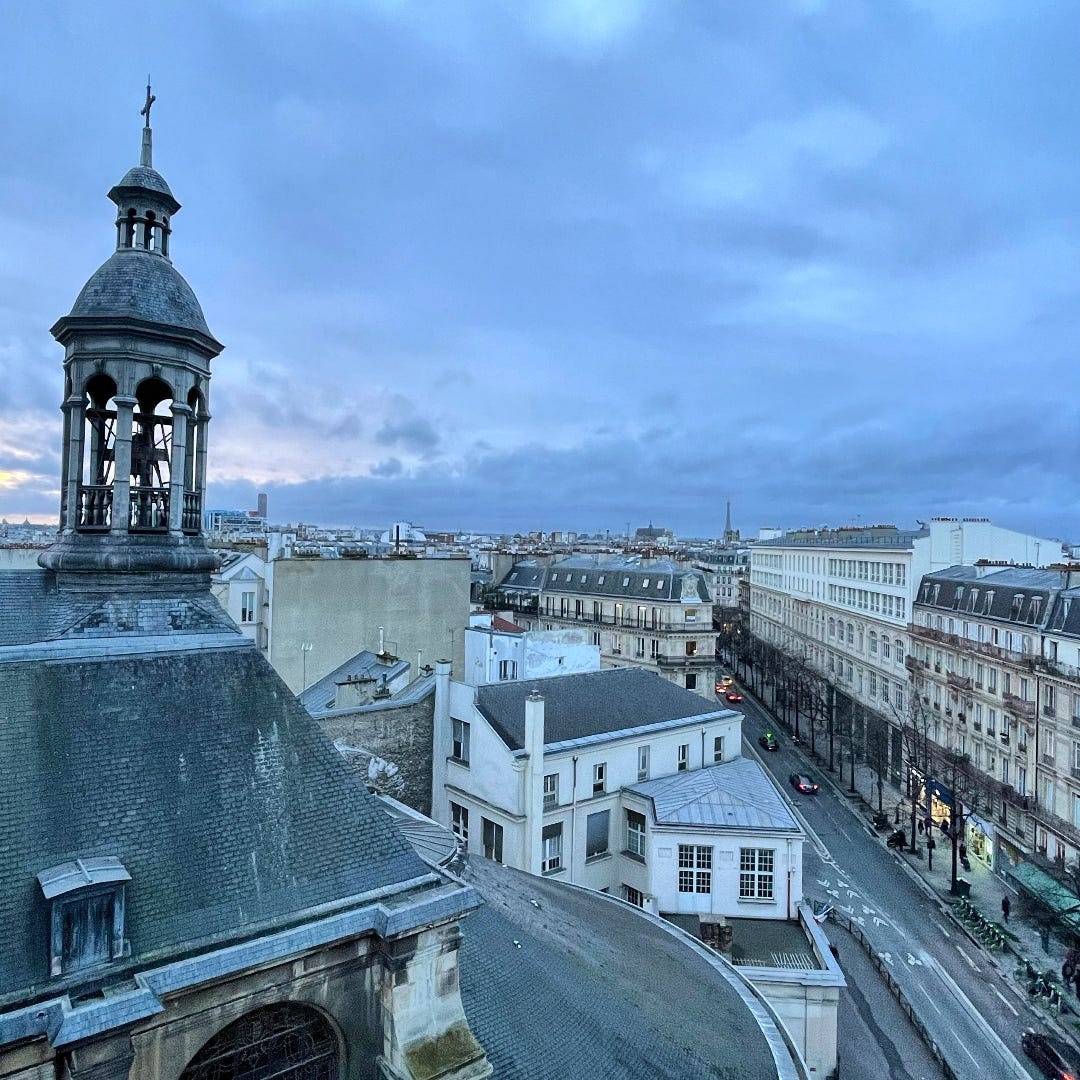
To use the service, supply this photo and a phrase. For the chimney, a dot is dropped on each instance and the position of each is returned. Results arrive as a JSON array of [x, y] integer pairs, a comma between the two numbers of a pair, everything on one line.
[[533, 795], [442, 744]]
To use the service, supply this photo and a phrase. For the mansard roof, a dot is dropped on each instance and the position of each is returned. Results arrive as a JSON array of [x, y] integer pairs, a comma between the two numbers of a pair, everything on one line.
[[589, 704], [973, 592], [627, 578], [147, 729]]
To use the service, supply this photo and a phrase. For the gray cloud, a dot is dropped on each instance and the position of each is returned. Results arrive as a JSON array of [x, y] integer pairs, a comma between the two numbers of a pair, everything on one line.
[[580, 264]]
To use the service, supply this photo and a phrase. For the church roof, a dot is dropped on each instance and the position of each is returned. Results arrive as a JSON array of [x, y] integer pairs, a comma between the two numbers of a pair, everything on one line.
[[558, 981], [145, 176], [141, 285], [184, 756]]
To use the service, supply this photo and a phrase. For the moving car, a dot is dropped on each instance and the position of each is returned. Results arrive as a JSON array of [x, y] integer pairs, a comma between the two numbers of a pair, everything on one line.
[[803, 784], [733, 695], [768, 740], [1045, 1053], [723, 683]]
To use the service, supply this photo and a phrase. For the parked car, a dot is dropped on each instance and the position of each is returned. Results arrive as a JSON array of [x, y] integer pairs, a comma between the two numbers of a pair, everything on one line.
[[1048, 1054], [768, 741], [733, 696], [803, 784]]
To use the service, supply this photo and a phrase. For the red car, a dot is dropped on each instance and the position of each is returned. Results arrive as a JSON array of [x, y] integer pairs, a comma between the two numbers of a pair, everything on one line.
[[803, 784], [1047, 1054], [733, 696]]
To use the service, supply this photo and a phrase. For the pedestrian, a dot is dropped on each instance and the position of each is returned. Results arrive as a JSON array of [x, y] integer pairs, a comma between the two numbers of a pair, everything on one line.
[[963, 851], [1076, 980], [1005, 907], [921, 828]]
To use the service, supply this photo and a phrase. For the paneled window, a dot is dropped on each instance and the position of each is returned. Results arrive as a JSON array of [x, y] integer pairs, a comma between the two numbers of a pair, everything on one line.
[[599, 777], [247, 607], [460, 751], [551, 790], [684, 757], [695, 869], [635, 833], [551, 839], [756, 873], [459, 822], [718, 749], [643, 763]]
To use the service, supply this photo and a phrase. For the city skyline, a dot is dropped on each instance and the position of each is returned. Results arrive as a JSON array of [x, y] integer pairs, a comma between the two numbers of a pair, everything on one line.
[[510, 267]]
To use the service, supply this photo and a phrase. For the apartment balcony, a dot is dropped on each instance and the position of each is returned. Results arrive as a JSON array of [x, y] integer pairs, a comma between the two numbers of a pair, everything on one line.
[[928, 634], [913, 663], [1018, 706], [958, 682], [1005, 737], [1065, 829], [700, 660], [1049, 712], [1056, 667]]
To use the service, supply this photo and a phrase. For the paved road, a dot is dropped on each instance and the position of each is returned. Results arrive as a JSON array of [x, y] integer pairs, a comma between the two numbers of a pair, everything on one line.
[[973, 1015], [876, 1040]]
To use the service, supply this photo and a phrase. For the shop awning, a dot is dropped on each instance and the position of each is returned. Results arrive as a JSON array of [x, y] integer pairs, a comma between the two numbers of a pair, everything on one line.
[[1063, 902]]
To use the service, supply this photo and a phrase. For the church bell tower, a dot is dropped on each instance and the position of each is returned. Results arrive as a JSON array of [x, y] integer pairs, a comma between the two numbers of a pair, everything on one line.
[[137, 355]]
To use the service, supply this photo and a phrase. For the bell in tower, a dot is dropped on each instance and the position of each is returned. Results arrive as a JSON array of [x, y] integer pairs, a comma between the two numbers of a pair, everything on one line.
[[137, 355]]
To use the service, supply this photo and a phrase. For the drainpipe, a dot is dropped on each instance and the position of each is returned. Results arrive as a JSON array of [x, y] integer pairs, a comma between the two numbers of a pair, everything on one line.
[[573, 819], [441, 744], [534, 781]]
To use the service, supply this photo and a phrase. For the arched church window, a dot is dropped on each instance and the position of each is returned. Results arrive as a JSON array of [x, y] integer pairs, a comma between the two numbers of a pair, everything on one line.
[[148, 232], [164, 234], [129, 229], [286, 1042]]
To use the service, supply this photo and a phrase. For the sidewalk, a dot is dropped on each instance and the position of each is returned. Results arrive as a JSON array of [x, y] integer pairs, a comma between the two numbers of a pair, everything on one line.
[[1025, 926]]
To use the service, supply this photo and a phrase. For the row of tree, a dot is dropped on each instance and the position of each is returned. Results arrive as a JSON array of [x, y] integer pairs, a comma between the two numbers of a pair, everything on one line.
[[840, 731]]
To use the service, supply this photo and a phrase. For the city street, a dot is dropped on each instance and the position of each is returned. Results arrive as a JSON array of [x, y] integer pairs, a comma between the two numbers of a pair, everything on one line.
[[968, 1009]]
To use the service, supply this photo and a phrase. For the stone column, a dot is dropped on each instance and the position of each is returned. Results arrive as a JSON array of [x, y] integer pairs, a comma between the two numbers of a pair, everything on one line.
[[74, 410], [425, 1032], [178, 466], [200, 455], [121, 504]]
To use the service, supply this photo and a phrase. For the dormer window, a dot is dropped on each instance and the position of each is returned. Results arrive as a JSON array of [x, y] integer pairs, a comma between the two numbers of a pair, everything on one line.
[[1017, 604], [87, 916]]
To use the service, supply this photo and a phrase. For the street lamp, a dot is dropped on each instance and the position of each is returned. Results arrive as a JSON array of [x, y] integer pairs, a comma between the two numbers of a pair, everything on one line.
[[305, 648]]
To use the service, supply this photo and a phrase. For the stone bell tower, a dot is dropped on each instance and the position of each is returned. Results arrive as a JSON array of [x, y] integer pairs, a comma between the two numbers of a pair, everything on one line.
[[137, 355]]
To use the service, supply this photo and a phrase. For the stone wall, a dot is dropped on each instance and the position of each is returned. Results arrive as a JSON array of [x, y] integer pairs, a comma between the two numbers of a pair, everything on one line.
[[400, 734]]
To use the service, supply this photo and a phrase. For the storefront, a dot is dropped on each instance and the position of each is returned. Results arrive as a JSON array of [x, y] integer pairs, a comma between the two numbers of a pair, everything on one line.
[[980, 839]]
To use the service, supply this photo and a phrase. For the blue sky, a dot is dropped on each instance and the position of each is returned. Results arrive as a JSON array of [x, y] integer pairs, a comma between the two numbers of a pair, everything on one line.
[[554, 264]]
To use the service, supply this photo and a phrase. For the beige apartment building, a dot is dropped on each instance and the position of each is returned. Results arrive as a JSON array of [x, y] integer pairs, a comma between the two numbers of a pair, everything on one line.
[[647, 613]]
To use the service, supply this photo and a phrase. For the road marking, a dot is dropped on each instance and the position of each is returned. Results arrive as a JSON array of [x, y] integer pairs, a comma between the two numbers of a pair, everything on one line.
[[967, 1051], [881, 922], [971, 963], [930, 999], [914, 960], [1005, 1001], [886, 956], [942, 929]]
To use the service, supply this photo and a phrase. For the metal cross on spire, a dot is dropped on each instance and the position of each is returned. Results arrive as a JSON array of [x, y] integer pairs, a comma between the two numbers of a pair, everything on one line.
[[150, 99]]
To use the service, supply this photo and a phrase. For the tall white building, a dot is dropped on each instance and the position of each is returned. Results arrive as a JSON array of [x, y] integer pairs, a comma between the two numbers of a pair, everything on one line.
[[842, 599]]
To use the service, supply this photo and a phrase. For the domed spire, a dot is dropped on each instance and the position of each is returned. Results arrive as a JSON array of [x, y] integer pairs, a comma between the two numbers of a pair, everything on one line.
[[137, 361]]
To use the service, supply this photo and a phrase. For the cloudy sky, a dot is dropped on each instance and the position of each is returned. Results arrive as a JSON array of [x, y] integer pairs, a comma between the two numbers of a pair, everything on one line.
[[569, 264]]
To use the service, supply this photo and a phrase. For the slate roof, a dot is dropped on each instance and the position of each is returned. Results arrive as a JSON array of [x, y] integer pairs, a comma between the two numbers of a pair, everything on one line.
[[145, 176], [590, 703], [961, 590], [33, 610], [196, 767], [661, 579], [364, 665], [735, 794], [141, 285], [1065, 615], [560, 991]]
